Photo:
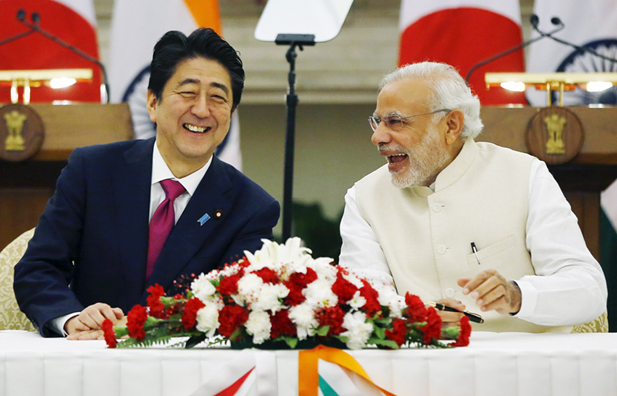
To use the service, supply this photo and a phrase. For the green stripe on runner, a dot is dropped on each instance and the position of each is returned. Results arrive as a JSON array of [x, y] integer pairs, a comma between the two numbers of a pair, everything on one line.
[[326, 389]]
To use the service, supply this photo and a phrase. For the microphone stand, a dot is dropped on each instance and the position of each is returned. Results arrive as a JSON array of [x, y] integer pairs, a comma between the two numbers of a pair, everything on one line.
[[34, 27], [293, 40]]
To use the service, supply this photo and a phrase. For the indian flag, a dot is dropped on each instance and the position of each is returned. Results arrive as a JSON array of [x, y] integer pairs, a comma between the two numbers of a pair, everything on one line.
[[463, 33], [74, 22], [594, 26], [136, 27]]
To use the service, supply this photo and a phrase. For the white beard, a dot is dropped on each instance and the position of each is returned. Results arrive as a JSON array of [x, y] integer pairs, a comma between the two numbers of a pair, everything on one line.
[[426, 160]]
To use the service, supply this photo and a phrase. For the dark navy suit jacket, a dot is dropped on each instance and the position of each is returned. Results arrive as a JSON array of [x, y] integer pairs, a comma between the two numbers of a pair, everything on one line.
[[92, 240]]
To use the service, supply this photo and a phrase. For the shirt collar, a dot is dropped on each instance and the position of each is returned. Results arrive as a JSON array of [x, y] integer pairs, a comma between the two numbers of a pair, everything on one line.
[[160, 171]]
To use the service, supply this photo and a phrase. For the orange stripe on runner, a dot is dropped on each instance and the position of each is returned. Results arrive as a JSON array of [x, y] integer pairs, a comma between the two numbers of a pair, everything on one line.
[[206, 13], [308, 361]]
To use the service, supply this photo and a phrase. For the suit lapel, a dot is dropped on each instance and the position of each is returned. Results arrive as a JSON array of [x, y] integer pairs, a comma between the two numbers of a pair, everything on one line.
[[188, 235], [132, 186]]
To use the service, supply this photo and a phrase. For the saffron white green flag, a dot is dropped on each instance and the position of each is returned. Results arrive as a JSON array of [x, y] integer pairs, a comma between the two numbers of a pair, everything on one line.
[[136, 27], [592, 24]]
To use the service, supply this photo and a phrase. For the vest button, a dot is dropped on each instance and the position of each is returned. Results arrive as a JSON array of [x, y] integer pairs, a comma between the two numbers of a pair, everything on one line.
[[437, 207], [450, 292], [441, 249]]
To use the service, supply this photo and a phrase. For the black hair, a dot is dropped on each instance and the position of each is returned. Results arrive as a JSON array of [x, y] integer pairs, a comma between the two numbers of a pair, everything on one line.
[[175, 47]]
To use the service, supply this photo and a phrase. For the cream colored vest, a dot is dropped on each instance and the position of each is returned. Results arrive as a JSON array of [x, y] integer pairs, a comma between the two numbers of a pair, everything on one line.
[[481, 197]]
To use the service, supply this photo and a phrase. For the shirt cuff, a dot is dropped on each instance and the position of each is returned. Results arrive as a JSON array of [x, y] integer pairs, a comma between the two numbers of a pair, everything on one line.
[[529, 298], [58, 324]]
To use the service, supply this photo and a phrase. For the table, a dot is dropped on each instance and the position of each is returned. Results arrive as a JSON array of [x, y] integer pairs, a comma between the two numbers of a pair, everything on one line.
[[493, 364]]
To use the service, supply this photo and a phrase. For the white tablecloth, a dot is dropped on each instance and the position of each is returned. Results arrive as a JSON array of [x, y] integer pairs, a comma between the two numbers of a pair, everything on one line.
[[493, 364]]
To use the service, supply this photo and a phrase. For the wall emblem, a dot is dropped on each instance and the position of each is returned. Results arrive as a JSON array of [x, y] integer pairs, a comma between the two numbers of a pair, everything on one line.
[[21, 132], [555, 135]]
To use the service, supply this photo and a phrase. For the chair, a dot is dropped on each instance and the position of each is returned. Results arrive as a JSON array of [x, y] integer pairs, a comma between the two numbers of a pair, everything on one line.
[[11, 318], [599, 325]]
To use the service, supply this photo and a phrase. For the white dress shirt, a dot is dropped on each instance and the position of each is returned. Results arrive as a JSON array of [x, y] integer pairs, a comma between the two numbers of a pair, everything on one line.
[[566, 273], [160, 172]]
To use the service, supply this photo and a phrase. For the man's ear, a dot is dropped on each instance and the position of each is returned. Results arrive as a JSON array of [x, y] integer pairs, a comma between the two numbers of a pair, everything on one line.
[[455, 120], [151, 103]]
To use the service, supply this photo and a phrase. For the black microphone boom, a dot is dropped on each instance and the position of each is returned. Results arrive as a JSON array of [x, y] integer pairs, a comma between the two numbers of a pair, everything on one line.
[[34, 27], [533, 20]]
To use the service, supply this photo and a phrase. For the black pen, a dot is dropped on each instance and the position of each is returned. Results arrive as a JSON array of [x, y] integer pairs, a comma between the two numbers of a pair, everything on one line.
[[472, 316], [474, 249]]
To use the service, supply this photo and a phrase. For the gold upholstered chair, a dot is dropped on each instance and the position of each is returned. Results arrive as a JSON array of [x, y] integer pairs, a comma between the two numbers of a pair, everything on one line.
[[11, 318], [599, 325]]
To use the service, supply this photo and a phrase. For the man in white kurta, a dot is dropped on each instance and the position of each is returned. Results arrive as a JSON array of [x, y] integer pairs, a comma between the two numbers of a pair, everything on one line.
[[413, 220]]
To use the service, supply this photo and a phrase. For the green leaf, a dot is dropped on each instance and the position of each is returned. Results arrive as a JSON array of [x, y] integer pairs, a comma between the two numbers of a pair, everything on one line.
[[194, 340], [322, 331], [379, 332], [291, 341], [386, 343]]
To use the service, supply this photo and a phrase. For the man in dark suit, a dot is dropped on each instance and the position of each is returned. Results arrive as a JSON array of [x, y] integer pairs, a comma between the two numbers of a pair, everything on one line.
[[94, 253]]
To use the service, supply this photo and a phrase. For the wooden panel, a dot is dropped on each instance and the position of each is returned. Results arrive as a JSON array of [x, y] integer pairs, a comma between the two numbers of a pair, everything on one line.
[[20, 209], [586, 207]]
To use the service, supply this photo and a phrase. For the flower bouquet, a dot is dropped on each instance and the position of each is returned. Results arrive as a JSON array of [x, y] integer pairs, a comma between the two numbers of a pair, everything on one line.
[[280, 297]]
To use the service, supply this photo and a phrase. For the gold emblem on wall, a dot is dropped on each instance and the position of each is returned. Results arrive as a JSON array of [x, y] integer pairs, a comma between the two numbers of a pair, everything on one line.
[[555, 135], [21, 132]]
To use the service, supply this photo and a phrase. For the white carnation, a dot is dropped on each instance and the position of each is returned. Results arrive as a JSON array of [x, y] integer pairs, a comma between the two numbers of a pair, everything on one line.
[[249, 287], [351, 278], [357, 300], [208, 319], [358, 331], [303, 316], [269, 297], [389, 298], [319, 292], [258, 325], [324, 269], [203, 289]]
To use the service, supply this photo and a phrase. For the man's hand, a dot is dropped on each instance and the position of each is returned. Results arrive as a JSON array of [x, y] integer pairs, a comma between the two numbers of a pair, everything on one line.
[[90, 320], [492, 291], [450, 318]]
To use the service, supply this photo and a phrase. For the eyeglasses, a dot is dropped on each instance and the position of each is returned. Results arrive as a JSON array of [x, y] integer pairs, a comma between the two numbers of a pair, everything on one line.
[[395, 122]]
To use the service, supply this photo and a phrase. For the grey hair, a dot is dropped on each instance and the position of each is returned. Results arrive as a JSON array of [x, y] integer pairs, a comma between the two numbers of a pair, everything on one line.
[[450, 92]]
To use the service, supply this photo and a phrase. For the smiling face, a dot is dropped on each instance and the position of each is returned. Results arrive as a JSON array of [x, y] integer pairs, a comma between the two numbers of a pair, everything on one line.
[[193, 114], [422, 148]]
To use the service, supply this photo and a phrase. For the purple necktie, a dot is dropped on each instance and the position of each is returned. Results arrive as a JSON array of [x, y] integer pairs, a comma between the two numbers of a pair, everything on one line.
[[162, 222]]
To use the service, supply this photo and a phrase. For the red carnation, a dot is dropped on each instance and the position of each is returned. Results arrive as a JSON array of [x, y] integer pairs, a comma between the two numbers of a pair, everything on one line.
[[231, 317], [135, 322], [333, 317], [432, 329], [463, 336], [372, 305], [229, 285], [190, 312], [281, 324], [157, 308], [343, 289], [108, 332], [416, 311], [303, 280], [267, 275], [295, 296], [398, 333]]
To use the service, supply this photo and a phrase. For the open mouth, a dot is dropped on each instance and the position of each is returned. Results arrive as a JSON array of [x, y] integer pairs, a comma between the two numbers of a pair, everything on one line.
[[393, 159], [196, 129]]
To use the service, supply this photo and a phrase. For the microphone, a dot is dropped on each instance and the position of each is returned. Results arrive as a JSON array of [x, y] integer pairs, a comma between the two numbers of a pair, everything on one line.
[[534, 20], [21, 15], [34, 27], [557, 21]]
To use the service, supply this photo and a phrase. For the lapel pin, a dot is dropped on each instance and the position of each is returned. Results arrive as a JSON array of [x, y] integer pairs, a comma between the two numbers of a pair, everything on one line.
[[202, 220], [218, 214]]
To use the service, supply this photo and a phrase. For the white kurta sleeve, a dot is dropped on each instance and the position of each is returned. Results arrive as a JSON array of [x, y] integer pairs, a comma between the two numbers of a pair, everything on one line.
[[361, 251], [569, 287]]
